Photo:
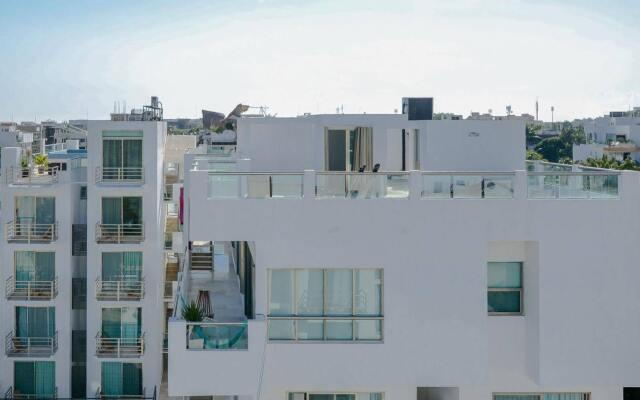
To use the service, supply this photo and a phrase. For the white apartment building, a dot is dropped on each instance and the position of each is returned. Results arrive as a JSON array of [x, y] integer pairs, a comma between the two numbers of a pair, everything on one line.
[[125, 257], [43, 268], [616, 135], [452, 273]]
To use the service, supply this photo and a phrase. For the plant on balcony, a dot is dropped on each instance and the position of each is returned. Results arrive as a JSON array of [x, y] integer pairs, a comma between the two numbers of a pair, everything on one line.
[[24, 165], [42, 162], [192, 312]]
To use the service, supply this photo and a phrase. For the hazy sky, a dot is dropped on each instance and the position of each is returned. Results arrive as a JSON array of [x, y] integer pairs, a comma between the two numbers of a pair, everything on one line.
[[67, 59]]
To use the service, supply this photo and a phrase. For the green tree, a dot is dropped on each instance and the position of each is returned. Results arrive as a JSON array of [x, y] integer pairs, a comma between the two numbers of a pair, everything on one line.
[[533, 155], [552, 149], [611, 163], [532, 134]]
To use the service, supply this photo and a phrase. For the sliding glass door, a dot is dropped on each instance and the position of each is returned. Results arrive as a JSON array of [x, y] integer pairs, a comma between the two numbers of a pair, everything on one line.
[[37, 379], [35, 210], [124, 322], [122, 158], [121, 379], [34, 266], [122, 266], [122, 210], [35, 322], [349, 149]]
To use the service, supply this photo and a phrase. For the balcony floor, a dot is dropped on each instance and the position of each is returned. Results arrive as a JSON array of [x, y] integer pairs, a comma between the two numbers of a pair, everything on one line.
[[223, 285]]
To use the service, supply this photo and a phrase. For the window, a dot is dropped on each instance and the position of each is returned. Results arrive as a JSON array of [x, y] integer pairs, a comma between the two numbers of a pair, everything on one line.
[[123, 322], [31, 266], [35, 322], [325, 304], [122, 210], [348, 149], [542, 396], [631, 393], [122, 158], [504, 280], [78, 293], [334, 396], [35, 379], [121, 379], [35, 210], [123, 266], [83, 192]]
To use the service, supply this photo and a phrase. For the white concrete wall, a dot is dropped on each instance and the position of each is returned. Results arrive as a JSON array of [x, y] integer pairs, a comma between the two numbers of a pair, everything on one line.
[[578, 332], [296, 144], [154, 134]]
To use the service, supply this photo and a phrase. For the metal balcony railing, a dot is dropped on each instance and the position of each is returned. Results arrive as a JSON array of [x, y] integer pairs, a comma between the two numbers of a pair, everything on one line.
[[119, 347], [31, 175], [119, 233], [30, 232], [10, 394], [120, 175], [100, 395], [31, 290], [18, 346], [120, 290]]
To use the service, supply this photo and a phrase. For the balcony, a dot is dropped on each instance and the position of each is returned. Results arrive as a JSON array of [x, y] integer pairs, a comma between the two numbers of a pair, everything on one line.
[[120, 175], [100, 395], [32, 176], [119, 347], [16, 346], [10, 394], [467, 186], [121, 290], [559, 182], [119, 233], [354, 185], [218, 336], [31, 290], [31, 233]]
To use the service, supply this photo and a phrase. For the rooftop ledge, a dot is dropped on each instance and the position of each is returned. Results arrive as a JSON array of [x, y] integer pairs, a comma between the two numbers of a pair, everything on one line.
[[585, 184]]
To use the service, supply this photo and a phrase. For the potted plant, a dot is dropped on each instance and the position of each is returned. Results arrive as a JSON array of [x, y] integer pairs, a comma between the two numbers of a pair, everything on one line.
[[41, 162], [192, 312], [24, 165]]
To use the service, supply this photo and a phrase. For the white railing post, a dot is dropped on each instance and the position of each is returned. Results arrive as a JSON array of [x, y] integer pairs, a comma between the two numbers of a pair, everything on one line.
[[309, 185], [415, 185]]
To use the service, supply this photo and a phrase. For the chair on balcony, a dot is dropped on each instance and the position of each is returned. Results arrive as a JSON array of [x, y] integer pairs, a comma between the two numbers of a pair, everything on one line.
[[204, 303]]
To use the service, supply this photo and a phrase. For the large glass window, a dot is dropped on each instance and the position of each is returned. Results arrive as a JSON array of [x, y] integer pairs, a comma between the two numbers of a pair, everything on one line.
[[122, 210], [122, 158], [34, 266], [325, 304], [34, 378], [122, 322], [504, 281], [35, 210], [35, 322], [122, 266], [121, 379]]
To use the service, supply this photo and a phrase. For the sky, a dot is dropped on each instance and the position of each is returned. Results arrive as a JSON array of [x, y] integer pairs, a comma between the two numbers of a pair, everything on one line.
[[72, 59]]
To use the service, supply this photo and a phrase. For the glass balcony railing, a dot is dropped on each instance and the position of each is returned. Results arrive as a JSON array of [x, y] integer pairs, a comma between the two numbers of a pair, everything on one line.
[[217, 336], [254, 186], [467, 186], [357, 185], [572, 185], [31, 290]]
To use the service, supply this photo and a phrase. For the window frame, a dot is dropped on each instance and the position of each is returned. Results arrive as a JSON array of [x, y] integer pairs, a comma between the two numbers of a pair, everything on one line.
[[354, 318], [507, 289]]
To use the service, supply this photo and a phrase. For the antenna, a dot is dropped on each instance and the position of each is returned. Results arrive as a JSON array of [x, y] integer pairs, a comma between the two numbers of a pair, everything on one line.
[[537, 109]]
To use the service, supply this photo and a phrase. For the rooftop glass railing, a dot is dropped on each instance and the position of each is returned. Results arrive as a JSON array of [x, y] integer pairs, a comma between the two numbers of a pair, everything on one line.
[[573, 185], [233, 185], [467, 185], [555, 184], [218, 336], [362, 185]]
